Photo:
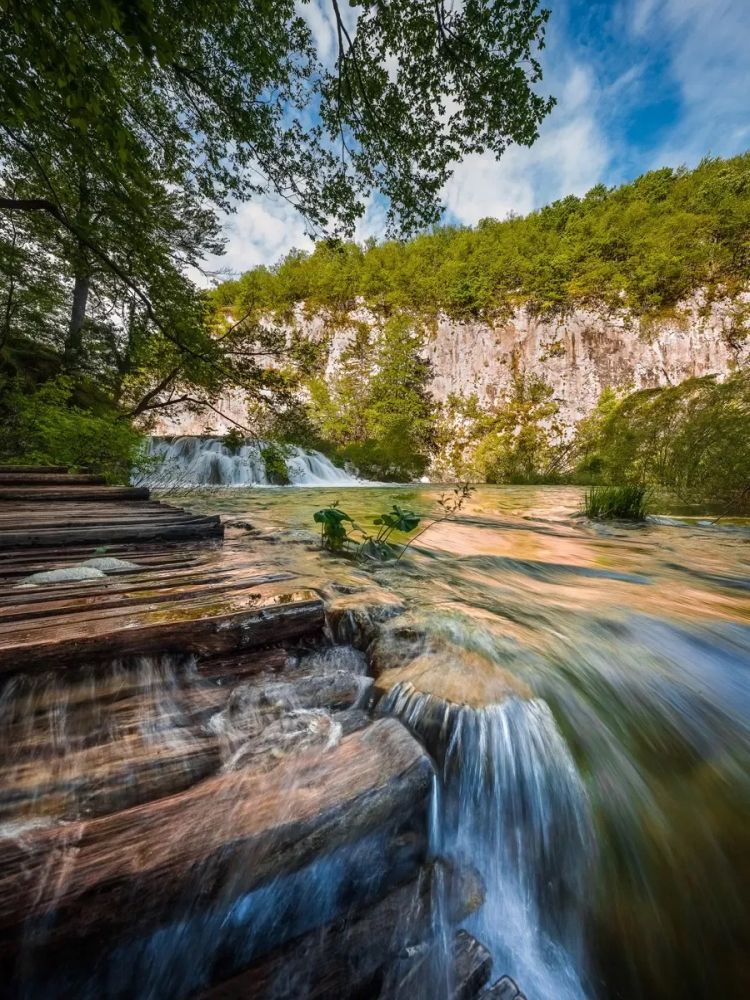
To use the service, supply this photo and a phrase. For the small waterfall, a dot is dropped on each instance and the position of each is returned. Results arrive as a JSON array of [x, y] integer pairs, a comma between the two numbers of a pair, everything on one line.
[[207, 461], [511, 803]]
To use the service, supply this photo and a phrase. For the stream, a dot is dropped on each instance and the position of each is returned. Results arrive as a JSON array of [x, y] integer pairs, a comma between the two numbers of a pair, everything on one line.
[[585, 689]]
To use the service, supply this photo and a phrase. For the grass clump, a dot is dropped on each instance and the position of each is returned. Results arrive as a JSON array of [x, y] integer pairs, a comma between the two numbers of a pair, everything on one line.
[[616, 503]]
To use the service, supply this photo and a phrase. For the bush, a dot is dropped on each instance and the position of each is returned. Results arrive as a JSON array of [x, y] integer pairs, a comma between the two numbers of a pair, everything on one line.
[[233, 441], [45, 427], [274, 458], [691, 439], [616, 503]]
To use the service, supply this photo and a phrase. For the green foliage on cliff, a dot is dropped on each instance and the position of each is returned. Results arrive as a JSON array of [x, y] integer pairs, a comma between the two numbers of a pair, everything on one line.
[[644, 245], [377, 412]]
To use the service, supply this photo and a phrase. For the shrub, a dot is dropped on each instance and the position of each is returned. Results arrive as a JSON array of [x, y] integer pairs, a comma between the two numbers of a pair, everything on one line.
[[233, 441], [45, 427], [274, 458], [616, 503]]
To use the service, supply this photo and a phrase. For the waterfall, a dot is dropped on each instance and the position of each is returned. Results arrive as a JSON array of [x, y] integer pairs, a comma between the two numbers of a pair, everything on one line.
[[511, 803], [207, 461]]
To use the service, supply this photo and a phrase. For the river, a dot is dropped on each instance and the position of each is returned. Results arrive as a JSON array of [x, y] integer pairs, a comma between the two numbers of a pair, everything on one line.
[[602, 752]]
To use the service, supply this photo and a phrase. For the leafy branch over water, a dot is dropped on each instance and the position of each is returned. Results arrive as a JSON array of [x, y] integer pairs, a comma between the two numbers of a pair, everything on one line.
[[339, 532]]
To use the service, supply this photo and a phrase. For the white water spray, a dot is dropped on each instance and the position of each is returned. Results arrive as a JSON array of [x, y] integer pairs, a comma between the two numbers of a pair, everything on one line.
[[512, 804], [207, 461]]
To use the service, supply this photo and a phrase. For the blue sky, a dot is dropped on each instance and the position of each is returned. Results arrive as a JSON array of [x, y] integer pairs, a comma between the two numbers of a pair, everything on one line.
[[639, 84]]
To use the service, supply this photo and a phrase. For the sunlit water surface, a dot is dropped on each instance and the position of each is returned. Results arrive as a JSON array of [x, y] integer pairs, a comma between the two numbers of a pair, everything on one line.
[[619, 781]]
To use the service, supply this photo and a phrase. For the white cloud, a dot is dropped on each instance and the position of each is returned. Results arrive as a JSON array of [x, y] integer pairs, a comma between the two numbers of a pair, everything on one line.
[[260, 232], [705, 47], [570, 156]]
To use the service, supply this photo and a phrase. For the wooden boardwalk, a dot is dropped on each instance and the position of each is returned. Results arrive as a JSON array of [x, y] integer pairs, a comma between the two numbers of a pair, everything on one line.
[[180, 594], [167, 746]]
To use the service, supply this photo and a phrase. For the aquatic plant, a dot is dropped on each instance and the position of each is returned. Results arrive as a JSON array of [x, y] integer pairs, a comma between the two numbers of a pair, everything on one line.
[[621, 503], [378, 547], [333, 532]]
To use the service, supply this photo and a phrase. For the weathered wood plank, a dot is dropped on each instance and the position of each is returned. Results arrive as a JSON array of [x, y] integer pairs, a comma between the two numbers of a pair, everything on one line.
[[195, 527], [35, 468], [45, 478], [100, 600], [62, 494], [235, 827], [240, 622]]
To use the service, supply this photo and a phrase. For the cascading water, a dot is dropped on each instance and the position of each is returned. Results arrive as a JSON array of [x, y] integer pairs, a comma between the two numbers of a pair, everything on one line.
[[207, 461], [510, 802]]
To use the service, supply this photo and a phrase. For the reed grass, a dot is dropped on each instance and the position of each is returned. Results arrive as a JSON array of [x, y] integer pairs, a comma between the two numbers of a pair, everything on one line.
[[616, 503]]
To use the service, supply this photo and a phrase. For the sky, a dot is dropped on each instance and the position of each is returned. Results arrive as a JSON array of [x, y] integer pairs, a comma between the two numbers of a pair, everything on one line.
[[639, 84]]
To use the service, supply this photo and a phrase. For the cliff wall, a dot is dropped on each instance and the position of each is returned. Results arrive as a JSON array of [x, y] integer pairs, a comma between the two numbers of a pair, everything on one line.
[[578, 353]]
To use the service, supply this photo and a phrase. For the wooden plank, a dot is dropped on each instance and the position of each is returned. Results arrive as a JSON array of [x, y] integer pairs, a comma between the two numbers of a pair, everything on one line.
[[234, 830], [240, 622], [196, 527], [82, 613], [101, 603], [50, 479], [60, 494], [173, 574], [36, 468]]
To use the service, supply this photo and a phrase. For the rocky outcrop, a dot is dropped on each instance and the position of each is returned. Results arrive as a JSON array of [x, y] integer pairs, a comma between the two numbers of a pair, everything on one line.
[[579, 352]]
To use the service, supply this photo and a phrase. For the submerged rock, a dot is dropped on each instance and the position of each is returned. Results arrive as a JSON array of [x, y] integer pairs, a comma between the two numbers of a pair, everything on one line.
[[355, 618], [438, 658], [333, 659]]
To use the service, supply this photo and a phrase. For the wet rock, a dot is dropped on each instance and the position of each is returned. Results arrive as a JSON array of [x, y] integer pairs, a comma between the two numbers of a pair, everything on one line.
[[504, 989], [354, 957], [355, 618], [292, 733], [334, 689], [421, 974], [352, 719]]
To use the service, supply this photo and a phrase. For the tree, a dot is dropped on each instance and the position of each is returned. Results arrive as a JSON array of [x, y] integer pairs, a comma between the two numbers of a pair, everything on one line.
[[128, 123], [690, 438], [517, 439]]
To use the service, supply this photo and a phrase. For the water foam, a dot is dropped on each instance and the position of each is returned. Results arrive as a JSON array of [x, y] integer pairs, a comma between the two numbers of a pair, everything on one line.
[[207, 461], [511, 802]]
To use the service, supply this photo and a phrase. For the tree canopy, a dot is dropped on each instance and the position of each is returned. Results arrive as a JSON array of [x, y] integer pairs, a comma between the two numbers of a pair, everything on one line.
[[127, 125], [644, 246]]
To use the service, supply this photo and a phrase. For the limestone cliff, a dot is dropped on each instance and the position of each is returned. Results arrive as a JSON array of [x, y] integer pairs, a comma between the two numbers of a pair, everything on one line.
[[579, 353]]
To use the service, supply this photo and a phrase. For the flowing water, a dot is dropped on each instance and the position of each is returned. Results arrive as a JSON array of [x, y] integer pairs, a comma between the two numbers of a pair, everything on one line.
[[207, 461], [585, 689]]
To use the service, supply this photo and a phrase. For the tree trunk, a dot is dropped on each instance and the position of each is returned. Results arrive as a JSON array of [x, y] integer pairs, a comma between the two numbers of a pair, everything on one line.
[[74, 339]]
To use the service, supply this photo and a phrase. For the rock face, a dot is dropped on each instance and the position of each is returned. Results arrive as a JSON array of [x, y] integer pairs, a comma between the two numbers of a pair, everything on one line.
[[578, 353]]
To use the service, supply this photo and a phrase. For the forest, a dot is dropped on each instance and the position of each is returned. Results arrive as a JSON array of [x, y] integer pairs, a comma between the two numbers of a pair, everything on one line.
[[643, 246]]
